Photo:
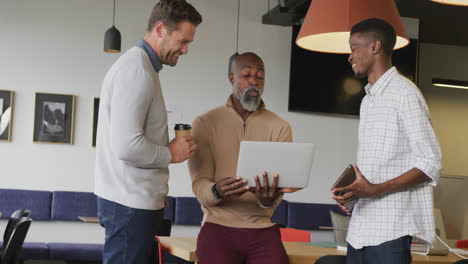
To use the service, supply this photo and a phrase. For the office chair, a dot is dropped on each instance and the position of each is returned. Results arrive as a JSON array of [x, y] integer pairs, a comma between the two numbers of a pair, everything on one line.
[[294, 235], [11, 248], [461, 244], [463, 261], [164, 230], [14, 217], [331, 259]]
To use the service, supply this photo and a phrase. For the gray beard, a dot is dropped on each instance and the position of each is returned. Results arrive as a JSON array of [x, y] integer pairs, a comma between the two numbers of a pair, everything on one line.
[[248, 102]]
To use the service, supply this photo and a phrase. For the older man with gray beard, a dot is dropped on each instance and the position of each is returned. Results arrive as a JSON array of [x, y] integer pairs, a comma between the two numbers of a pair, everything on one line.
[[236, 225]]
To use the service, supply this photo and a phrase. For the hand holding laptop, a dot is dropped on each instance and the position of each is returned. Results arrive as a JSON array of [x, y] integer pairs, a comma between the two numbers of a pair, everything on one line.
[[268, 194], [230, 187]]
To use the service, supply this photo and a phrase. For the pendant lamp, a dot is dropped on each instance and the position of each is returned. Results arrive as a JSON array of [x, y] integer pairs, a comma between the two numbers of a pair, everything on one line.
[[112, 38], [327, 24], [452, 2]]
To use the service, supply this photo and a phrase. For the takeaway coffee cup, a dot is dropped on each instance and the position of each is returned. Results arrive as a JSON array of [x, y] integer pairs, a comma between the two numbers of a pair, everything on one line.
[[182, 130]]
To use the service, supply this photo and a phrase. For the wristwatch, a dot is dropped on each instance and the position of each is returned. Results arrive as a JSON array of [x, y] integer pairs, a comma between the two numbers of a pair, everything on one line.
[[215, 192]]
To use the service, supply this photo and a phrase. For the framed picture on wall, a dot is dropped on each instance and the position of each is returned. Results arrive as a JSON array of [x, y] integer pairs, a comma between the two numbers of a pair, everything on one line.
[[6, 114], [53, 118], [95, 119]]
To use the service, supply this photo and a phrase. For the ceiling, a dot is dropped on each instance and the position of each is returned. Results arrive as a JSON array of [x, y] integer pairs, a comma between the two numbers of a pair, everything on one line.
[[438, 23]]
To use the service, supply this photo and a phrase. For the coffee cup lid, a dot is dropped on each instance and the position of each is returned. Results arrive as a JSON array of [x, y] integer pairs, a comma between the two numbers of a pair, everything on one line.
[[182, 127]]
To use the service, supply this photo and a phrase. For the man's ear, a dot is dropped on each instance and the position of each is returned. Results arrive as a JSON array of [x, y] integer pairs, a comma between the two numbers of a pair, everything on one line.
[[376, 46], [160, 29], [231, 78]]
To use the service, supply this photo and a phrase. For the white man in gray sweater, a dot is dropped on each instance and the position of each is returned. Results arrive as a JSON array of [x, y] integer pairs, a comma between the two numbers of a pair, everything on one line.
[[133, 149]]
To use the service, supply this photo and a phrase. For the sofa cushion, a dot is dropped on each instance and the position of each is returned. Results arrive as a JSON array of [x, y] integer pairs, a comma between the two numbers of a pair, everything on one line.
[[70, 205], [187, 211], [310, 216], [169, 210], [280, 215], [33, 251], [75, 251], [36, 201]]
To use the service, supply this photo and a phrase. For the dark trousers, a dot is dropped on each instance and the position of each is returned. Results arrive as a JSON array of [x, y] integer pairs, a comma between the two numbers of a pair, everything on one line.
[[220, 244], [129, 233], [391, 252]]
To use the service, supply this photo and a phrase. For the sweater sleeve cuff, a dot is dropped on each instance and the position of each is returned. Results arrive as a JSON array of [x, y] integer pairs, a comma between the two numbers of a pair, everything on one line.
[[166, 157]]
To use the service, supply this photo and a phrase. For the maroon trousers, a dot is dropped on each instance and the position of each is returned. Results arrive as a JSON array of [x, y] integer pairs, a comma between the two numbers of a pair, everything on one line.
[[228, 245]]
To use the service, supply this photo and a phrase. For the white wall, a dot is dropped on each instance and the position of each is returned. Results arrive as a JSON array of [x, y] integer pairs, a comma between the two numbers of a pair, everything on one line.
[[449, 112], [448, 106], [56, 46]]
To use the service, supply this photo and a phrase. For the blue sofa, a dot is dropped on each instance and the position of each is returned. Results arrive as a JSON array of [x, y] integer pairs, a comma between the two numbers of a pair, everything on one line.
[[67, 206], [288, 214], [61, 206]]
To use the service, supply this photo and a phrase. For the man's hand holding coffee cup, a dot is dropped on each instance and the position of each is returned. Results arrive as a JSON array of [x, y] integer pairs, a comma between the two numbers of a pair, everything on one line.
[[182, 148]]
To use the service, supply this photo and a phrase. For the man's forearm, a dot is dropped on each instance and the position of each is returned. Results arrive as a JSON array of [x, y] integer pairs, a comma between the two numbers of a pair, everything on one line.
[[408, 179], [202, 190]]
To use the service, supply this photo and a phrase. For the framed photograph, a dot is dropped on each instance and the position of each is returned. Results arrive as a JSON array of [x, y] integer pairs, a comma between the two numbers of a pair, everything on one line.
[[6, 114], [95, 119], [53, 118]]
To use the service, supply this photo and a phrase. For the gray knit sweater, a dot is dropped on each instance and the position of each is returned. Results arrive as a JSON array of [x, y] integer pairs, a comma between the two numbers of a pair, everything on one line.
[[132, 156]]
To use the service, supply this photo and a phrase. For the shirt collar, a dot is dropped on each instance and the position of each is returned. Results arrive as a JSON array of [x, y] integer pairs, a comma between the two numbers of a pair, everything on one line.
[[381, 83], [157, 65]]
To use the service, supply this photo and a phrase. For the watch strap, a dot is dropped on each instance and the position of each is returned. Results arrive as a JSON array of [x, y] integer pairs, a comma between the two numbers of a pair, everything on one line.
[[215, 192]]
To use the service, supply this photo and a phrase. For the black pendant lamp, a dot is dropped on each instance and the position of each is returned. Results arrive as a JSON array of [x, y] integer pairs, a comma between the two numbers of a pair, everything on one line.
[[112, 38]]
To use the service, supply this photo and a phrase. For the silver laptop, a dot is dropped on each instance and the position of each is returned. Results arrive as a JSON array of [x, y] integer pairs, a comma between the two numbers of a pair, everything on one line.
[[292, 162]]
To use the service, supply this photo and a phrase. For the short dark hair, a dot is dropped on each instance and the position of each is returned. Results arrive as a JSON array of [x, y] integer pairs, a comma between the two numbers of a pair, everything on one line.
[[236, 57], [380, 30], [231, 61], [172, 12]]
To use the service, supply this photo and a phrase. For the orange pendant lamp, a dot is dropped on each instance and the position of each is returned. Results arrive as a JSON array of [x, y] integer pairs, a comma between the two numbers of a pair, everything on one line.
[[327, 24], [452, 2]]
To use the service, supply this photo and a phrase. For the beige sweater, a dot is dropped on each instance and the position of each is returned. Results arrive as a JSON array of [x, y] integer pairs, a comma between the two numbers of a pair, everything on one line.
[[218, 134]]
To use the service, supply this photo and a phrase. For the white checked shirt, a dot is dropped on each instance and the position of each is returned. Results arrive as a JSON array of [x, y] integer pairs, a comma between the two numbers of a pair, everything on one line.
[[395, 135]]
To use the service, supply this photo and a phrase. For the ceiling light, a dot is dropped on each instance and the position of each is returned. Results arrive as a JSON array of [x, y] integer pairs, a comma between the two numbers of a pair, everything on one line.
[[449, 83], [112, 38], [328, 22], [452, 2]]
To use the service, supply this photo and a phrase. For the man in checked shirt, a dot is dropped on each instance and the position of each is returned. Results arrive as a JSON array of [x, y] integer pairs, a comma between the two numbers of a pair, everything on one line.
[[398, 159]]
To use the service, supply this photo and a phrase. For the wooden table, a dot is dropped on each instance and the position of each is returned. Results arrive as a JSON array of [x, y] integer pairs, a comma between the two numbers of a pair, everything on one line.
[[89, 219], [298, 253]]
